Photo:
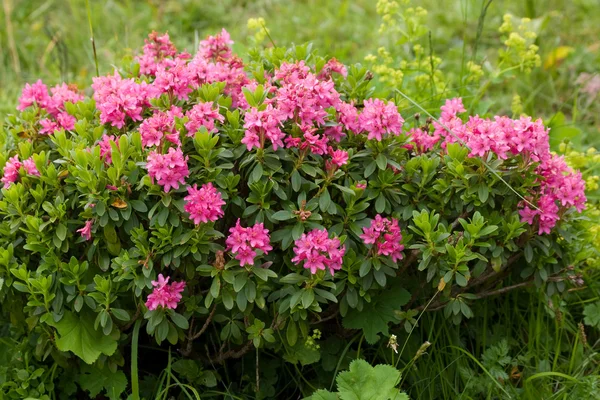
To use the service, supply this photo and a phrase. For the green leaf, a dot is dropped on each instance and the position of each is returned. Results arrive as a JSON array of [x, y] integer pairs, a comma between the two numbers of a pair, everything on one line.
[[592, 314], [291, 333], [296, 181], [77, 334], [324, 200], [363, 381], [282, 215], [61, 232], [179, 320], [381, 161], [95, 380], [375, 316]]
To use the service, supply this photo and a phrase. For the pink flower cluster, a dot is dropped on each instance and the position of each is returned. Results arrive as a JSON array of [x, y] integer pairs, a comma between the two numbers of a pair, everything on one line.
[[262, 125], [118, 98], [204, 204], [203, 114], [11, 170], [165, 295], [244, 242], [54, 105], [169, 170], [157, 50], [379, 119], [318, 251], [175, 78], [160, 126], [385, 234], [560, 186]]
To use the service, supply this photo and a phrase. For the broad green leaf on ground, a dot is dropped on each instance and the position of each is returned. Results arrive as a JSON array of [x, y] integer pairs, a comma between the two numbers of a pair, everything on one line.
[[592, 314], [95, 380], [76, 333], [364, 382], [375, 316], [299, 353]]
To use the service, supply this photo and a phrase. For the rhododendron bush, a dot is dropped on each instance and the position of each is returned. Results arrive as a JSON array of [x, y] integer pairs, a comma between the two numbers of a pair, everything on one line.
[[242, 212]]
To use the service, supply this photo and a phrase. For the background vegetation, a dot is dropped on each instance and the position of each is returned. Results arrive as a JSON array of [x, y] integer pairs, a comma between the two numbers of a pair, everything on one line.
[[550, 339]]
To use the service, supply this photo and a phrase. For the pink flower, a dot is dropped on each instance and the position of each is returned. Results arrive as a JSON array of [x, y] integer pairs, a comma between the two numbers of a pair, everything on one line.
[[157, 49], [216, 47], [203, 114], [11, 171], [244, 242], [60, 95], [379, 119], [86, 231], [36, 93], [318, 251], [30, 167], [165, 295], [303, 97], [169, 170], [161, 125], [361, 186], [262, 125], [204, 204], [118, 98], [386, 236], [105, 147], [175, 78], [48, 126], [348, 116], [330, 67], [423, 140], [66, 121], [338, 157]]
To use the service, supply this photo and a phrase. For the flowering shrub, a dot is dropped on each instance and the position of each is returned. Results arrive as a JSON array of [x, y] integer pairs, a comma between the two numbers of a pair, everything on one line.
[[228, 205]]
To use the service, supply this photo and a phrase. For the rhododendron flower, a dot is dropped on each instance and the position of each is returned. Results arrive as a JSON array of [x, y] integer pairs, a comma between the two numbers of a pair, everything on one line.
[[36, 93], [11, 171], [203, 114], [165, 295], [60, 95], [157, 49], [379, 119], [118, 98], [66, 121], [318, 251], [304, 97], [385, 235], [559, 187], [161, 125], [176, 79], [338, 157], [86, 231], [204, 204], [216, 47], [422, 140], [244, 242], [30, 168], [105, 147], [169, 170], [48, 126], [330, 67], [348, 116], [262, 125]]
